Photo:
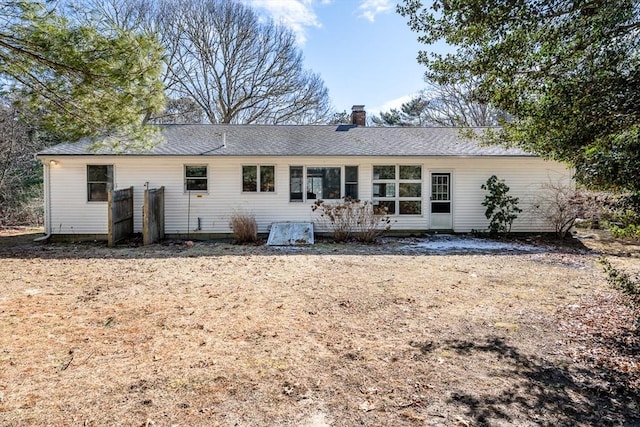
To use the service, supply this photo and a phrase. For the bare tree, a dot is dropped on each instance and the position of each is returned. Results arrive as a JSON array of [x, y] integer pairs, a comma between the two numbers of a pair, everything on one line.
[[222, 56], [459, 105], [20, 173], [342, 118], [178, 111], [455, 105], [239, 69]]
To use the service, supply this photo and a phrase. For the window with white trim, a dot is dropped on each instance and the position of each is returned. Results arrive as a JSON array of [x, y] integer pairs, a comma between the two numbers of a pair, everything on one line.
[[351, 182], [195, 178], [296, 177], [398, 188], [264, 175], [99, 182], [322, 182]]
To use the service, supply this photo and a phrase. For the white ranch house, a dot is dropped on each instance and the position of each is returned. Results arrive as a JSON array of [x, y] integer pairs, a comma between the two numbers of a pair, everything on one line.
[[428, 178]]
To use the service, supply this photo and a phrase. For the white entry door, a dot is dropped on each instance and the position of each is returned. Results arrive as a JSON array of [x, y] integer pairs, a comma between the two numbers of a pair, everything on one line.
[[440, 201]]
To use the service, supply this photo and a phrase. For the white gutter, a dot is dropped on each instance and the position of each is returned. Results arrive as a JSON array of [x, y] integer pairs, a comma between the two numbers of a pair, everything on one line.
[[47, 203]]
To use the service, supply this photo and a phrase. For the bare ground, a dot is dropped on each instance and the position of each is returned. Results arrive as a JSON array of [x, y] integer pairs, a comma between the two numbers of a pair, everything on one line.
[[329, 335]]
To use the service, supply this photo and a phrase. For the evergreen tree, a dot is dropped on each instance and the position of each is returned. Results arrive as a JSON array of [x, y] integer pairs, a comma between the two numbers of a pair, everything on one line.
[[82, 82], [567, 73]]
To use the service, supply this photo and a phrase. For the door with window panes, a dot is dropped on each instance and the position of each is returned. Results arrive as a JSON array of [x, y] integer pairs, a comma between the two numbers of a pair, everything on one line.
[[440, 209]]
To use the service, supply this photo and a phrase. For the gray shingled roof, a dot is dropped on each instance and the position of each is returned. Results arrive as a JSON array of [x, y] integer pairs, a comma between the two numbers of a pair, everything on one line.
[[265, 140]]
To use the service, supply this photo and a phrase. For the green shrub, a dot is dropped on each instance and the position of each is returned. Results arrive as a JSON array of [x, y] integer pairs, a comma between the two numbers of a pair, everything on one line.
[[623, 215], [631, 231], [502, 209]]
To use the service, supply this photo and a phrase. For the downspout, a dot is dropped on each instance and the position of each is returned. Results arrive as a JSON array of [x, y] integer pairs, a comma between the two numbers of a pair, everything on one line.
[[188, 214], [47, 204]]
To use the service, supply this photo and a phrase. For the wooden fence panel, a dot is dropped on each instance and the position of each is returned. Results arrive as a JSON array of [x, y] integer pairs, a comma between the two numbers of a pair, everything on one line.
[[153, 216], [120, 208]]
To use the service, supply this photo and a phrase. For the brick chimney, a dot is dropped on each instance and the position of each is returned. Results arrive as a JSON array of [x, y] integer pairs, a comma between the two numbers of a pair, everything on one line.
[[358, 115]]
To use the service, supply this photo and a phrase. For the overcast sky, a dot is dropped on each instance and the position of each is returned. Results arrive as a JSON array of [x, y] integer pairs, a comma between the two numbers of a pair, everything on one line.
[[363, 50]]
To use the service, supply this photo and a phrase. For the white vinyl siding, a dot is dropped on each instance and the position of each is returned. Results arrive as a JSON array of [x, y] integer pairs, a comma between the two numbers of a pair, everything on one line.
[[72, 214]]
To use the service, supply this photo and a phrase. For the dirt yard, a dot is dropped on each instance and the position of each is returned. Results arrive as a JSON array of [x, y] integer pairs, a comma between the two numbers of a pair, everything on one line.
[[400, 333]]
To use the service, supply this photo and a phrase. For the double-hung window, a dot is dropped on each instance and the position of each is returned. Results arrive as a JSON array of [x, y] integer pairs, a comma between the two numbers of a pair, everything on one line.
[[351, 182], [296, 184], [258, 178], [398, 188], [99, 182], [195, 178]]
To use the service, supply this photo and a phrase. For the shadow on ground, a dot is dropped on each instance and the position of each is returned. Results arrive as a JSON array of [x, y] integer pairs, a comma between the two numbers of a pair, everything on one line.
[[542, 392], [19, 237]]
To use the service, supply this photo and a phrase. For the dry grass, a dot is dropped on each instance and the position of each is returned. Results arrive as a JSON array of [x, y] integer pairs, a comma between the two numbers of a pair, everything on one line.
[[245, 228], [326, 335]]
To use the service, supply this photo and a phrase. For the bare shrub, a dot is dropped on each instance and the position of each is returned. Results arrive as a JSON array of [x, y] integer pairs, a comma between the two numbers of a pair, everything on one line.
[[244, 227], [561, 204], [352, 218]]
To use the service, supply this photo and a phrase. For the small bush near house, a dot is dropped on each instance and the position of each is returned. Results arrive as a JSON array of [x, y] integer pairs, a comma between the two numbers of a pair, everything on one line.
[[562, 205], [502, 209], [25, 206], [353, 219], [244, 227]]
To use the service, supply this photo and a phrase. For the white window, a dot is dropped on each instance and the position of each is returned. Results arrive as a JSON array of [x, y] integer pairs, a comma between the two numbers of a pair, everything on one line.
[[99, 182], [195, 178], [351, 182], [322, 182], [296, 176], [398, 188], [264, 175]]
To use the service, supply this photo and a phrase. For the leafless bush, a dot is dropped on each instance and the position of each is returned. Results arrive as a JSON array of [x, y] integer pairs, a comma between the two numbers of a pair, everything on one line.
[[26, 209], [355, 219], [562, 204], [245, 228]]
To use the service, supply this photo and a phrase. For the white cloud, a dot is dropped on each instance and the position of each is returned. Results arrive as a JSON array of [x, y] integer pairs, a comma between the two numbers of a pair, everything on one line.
[[393, 103], [371, 8], [298, 15]]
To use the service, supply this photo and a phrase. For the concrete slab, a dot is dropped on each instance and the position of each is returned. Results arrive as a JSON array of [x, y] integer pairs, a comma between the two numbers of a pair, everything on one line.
[[291, 234]]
